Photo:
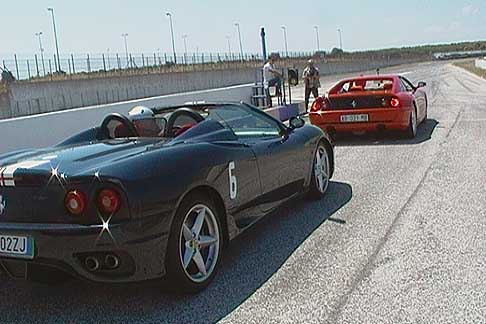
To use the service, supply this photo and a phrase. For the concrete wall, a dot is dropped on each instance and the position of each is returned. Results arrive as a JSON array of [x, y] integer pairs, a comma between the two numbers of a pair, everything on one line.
[[50, 128], [29, 98]]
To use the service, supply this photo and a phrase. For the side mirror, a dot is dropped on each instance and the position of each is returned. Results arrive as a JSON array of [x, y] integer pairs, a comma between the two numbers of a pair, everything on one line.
[[421, 84], [296, 122]]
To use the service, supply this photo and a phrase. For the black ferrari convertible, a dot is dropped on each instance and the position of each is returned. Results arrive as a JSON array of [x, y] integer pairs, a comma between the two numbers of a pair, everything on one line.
[[113, 205]]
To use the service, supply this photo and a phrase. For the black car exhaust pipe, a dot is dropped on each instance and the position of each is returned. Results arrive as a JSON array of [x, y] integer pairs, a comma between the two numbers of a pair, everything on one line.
[[111, 261], [92, 264]]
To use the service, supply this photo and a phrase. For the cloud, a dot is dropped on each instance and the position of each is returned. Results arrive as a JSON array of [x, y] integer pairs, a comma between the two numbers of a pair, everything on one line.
[[470, 10]]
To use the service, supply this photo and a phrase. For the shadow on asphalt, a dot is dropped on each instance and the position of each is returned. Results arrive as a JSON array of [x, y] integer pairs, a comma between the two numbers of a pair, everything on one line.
[[424, 133], [250, 261]]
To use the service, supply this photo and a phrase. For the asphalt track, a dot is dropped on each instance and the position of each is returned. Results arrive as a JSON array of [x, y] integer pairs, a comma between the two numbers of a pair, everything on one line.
[[400, 238]]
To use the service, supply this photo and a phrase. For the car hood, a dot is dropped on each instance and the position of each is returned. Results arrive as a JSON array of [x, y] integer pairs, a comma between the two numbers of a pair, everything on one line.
[[73, 160]]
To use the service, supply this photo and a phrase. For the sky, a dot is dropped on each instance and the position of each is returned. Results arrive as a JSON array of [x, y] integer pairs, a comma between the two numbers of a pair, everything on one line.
[[90, 26]]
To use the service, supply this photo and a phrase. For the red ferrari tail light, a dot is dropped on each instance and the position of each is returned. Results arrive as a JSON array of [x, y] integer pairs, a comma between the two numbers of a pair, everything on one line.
[[108, 201], [395, 102], [318, 104], [75, 202]]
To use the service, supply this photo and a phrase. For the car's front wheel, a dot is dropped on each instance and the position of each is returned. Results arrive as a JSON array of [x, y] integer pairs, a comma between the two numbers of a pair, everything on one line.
[[321, 172], [195, 245]]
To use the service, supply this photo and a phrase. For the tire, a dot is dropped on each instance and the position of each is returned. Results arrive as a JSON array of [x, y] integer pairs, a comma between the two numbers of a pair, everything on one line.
[[189, 253], [320, 178], [426, 109], [411, 130]]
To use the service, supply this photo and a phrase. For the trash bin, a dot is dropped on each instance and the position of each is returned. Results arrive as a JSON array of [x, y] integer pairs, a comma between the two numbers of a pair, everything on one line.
[[293, 75]]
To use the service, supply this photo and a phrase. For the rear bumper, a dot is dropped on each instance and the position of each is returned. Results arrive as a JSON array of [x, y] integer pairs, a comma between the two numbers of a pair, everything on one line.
[[140, 252], [378, 119]]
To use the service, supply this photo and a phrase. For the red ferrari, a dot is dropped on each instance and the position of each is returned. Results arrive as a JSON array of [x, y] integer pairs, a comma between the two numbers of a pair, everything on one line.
[[371, 103]]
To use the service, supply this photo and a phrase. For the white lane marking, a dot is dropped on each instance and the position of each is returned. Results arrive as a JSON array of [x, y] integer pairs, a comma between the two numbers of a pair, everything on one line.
[[405, 73]]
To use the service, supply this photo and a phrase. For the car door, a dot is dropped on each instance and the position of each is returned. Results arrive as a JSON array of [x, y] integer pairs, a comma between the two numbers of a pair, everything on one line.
[[242, 181], [280, 154], [418, 97]]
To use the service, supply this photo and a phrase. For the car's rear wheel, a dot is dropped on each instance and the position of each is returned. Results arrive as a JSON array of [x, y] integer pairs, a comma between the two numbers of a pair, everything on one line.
[[195, 245], [411, 131], [426, 109], [321, 171]]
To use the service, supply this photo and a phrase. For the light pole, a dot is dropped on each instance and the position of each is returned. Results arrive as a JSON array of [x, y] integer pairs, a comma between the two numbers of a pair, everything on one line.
[[39, 35], [55, 37], [340, 39], [168, 14], [228, 38], [317, 38], [108, 58], [239, 37], [285, 41], [184, 37], [126, 48]]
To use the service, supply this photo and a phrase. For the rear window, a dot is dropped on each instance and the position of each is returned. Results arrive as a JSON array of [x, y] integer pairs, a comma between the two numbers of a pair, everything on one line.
[[366, 85]]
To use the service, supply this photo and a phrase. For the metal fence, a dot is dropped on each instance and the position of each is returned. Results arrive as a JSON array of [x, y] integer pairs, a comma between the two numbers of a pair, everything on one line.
[[48, 66]]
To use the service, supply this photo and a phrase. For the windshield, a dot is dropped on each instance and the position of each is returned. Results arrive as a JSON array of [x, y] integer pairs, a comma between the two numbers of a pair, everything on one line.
[[150, 127], [365, 85]]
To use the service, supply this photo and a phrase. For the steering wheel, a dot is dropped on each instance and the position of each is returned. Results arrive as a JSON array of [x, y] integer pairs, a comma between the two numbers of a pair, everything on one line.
[[171, 128], [123, 120]]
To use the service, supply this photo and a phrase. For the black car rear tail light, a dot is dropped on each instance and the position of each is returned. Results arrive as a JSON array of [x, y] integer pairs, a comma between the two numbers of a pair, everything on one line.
[[109, 201], [75, 202]]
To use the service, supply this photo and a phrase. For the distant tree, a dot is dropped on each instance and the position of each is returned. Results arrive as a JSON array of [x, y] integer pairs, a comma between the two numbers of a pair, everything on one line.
[[336, 51]]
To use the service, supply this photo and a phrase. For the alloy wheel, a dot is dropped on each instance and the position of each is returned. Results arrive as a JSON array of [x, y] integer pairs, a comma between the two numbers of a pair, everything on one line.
[[199, 243], [321, 169]]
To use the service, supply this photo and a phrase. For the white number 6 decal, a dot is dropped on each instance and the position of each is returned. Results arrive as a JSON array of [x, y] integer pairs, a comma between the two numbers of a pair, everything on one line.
[[232, 181]]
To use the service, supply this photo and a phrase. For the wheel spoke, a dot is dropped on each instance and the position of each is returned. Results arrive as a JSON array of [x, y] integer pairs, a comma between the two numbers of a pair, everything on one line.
[[186, 232], [318, 160], [198, 223], [325, 168], [320, 183], [205, 241], [188, 255], [199, 261]]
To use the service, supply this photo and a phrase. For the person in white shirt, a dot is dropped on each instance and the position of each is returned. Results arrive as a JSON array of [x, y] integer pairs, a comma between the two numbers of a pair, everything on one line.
[[271, 77]]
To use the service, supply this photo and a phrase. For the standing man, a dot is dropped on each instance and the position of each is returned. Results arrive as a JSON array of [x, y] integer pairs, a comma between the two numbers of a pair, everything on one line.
[[271, 77], [311, 81]]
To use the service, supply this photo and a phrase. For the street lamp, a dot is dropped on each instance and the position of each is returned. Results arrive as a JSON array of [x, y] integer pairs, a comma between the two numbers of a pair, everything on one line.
[[285, 41], [126, 48], [340, 39], [239, 37], [184, 37], [55, 37], [39, 35], [168, 14], [317, 38]]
